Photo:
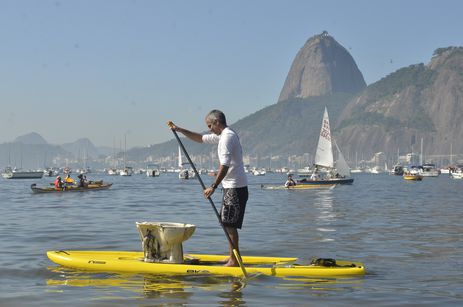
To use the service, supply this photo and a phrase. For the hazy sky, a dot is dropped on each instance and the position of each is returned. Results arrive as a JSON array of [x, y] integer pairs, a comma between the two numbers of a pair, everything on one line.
[[105, 69]]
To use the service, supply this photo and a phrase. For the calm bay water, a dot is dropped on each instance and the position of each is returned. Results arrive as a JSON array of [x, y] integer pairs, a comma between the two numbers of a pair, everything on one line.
[[408, 234]]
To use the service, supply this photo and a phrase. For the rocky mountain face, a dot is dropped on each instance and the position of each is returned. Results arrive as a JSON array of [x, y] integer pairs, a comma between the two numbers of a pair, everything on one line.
[[322, 67], [322, 74], [413, 103]]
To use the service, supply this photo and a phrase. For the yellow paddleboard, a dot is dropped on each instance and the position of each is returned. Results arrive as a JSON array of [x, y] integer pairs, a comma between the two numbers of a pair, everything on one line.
[[132, 262]]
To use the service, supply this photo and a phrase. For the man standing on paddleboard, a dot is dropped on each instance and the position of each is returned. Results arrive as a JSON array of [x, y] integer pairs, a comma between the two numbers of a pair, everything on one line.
[[231, 174]]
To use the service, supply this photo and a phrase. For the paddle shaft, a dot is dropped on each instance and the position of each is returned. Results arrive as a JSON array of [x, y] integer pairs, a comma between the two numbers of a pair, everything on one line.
[[235, 252]]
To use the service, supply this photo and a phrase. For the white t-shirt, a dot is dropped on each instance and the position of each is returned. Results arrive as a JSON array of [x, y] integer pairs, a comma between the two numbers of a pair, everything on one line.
[[231, 155]]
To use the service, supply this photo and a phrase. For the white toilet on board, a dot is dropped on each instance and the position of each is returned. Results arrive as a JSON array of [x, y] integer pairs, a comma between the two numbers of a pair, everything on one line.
[[162, 241]]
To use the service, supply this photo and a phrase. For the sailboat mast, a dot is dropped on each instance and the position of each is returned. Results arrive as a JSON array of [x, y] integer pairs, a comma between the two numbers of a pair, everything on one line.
[[125, 151], [421, 156], [180, 164]]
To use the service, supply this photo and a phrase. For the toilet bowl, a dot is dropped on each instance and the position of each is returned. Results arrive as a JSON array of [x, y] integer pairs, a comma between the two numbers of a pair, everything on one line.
[[162, 241]]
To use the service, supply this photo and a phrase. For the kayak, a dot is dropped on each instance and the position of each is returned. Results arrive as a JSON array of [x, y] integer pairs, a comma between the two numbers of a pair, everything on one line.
[[200, 264], [325, 181], [89, 187], [299, 187], [415, 177]]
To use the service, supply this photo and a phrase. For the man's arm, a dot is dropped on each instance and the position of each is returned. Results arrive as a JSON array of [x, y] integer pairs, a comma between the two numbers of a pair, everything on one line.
[[197, 137], [223, 169]]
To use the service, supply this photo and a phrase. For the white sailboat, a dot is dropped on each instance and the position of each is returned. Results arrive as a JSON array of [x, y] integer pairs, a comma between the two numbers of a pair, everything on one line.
[[325, 171], [184, 172]]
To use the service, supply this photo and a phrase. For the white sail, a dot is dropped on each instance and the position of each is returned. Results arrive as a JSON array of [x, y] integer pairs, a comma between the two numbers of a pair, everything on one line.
[[324, 154], [342, 167]]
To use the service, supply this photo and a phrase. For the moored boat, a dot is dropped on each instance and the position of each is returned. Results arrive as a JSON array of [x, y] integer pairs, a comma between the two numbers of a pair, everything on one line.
[[10, 173], [126, 171], [152, 170], [197, 264], [429, 170], [456, 174], [259, 172], [397, 170]]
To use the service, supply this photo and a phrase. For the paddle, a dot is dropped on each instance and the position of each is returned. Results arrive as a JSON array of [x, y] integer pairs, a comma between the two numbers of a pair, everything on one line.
[[235, 251]]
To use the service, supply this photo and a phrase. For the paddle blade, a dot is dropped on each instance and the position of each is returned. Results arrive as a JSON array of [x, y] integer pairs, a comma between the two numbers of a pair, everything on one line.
[[240, 262]]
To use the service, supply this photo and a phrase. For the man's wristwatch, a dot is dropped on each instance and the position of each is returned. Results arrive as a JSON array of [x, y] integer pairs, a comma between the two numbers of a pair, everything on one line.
[[214, 186]]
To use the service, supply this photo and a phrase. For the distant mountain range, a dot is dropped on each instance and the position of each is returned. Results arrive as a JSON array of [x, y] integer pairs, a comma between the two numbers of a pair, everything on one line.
[[31, 138], [33, 151], [419, 102]]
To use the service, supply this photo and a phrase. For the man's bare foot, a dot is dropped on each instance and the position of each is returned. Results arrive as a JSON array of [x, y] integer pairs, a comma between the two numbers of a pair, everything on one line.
[[231, 263]]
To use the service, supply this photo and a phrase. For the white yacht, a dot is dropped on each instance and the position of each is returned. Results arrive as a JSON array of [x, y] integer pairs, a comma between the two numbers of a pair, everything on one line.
[[15, 173], [429, 170]]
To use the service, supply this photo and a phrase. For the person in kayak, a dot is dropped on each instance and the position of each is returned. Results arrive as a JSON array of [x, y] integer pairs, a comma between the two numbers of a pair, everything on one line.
[[290, 182], [58, 183], [82, 181], [68, 180], [231, 174]]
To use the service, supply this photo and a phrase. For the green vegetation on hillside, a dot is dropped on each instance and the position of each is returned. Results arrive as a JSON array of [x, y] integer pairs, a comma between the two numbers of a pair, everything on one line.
[[371, 119], [414, 75], [440, 51], [288, 127], [419, 120]]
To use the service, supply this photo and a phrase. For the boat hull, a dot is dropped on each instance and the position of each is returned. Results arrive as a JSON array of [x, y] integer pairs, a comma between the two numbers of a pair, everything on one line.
[[456, 175], [22, 175], [90, 187], [326, 182], [299, 187], [132, 262]]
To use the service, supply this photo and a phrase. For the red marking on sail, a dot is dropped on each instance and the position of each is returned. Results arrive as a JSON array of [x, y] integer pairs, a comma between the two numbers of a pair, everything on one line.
[[325, 132]]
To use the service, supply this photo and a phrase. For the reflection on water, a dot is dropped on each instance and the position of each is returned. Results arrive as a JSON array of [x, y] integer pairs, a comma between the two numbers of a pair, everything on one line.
[[167, 288], [326, 217], [182, 289]]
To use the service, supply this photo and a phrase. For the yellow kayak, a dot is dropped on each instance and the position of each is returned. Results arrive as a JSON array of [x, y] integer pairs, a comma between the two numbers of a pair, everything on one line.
[[415, 177], [132, 262], [299, 187]]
